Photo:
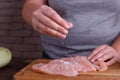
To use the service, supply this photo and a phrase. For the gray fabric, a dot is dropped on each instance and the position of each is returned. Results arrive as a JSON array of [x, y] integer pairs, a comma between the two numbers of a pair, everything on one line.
[[96, 22]]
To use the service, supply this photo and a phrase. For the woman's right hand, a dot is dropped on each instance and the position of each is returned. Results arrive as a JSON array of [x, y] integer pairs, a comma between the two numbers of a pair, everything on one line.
[[47, 21]]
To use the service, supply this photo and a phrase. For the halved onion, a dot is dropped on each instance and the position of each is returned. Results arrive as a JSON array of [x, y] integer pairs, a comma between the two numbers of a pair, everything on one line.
[[5, 56]]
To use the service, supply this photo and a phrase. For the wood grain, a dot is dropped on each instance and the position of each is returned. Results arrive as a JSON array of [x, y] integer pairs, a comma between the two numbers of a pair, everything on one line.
[[113, 73]]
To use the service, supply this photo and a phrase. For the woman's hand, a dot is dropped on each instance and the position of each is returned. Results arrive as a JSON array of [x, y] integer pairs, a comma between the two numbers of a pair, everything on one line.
[[105, 53], [46, 21]]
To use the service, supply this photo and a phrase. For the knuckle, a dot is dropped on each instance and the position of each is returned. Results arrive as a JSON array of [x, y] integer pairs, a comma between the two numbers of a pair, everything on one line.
[[59, 20], [43, 7], [35, 27], [35, 13], [55, 34], [48, 22], [46, 29], [105, 45], [96, 48], [110, 48], [58, 28], [42, 32], [94, 52], [52, 14]]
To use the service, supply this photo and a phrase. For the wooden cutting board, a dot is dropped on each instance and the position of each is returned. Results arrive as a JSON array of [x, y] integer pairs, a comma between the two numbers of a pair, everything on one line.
[[113, 73]]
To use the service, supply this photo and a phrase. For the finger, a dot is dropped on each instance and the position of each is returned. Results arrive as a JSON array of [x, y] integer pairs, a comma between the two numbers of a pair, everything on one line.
[[100, 54], [48, 22], [102, 65], [52, 14], [53, 33], [95, 51], [111, 61], [106, 56], [36, 24], [46, 30]]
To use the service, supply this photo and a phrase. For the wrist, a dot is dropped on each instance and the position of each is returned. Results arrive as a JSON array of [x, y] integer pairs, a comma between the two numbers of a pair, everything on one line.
[[29, 7]]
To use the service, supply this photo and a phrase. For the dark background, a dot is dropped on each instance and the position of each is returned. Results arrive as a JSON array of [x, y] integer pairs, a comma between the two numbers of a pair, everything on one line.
[[20, 38]]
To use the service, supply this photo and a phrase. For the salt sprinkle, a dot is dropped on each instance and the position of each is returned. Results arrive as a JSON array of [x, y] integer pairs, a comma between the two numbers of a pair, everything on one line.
[[66, 63]]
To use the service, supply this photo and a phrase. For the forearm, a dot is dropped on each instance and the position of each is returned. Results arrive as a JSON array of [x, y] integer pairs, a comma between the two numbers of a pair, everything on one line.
[[116, 44], [29, 7]]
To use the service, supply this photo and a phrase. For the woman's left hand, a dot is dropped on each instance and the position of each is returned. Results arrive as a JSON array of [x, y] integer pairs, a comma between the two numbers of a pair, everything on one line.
[[105, 53]]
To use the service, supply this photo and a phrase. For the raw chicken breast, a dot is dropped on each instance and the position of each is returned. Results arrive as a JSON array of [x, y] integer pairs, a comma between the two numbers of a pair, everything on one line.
[[70, 66]]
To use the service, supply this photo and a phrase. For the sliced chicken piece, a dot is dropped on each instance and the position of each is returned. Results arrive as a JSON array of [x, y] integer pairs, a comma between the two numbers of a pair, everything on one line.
[[65, 68], [71, 66]]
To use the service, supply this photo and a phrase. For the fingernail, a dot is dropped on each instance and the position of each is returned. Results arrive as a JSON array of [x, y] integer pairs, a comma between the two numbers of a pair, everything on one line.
[[71, 25], [65, 32], [63, 36], [67, 26]]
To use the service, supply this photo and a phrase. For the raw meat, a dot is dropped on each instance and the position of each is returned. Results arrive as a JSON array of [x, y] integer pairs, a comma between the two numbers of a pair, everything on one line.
[[71, 66]]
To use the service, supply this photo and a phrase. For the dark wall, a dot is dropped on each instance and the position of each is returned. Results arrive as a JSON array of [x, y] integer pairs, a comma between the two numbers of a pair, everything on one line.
[[20, 38]]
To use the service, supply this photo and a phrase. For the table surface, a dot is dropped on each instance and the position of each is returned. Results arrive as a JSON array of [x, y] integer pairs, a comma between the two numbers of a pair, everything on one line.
[[6, 73]]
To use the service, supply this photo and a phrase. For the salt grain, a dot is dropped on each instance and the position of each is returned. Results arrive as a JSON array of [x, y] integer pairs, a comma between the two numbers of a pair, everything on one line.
[[66, 63]]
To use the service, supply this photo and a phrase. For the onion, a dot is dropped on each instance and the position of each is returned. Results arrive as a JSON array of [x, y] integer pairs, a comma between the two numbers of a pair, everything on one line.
[[5, 56]]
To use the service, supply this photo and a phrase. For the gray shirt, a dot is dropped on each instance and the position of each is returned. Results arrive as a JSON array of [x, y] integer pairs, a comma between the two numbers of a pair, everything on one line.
[[95, 22]]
